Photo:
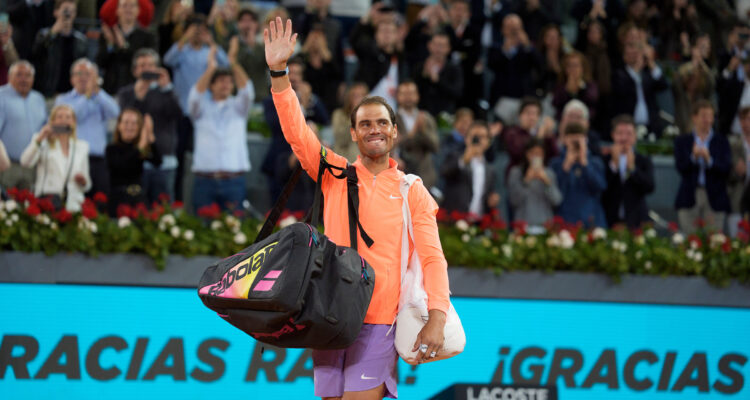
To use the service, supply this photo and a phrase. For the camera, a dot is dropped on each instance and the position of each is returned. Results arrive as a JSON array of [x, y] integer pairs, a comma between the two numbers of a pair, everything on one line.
[[62, 129], [475, 140], [67, 14], [149, 76], [387, 6]]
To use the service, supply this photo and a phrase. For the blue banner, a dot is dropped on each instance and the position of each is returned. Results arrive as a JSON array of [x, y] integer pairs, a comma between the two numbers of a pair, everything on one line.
[[94, 342]]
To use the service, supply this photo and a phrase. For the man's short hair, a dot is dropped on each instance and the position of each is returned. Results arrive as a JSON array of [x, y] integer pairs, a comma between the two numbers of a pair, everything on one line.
[[478, 124], [247, 11], [574, 129], [463, 112], [145, 52], [220, 72], [59, 3], [19, 63], [85, 61], [368, 101], [699, 105], [196, 19], [576, 104], [622, 119], [744, 111], [529, 101]]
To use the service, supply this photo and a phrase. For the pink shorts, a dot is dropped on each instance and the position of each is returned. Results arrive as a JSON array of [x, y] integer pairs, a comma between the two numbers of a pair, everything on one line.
[[368, 363]]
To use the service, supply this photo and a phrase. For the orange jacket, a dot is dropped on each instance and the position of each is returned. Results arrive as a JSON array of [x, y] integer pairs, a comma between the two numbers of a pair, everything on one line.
[[380, 215]]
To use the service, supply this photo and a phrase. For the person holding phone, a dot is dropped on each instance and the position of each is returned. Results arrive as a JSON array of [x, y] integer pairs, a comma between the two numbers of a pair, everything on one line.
[[532, 188], [61, 160]]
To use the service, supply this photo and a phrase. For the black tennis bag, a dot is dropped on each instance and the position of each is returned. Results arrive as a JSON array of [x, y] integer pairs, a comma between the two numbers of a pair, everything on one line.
[[295, 287]]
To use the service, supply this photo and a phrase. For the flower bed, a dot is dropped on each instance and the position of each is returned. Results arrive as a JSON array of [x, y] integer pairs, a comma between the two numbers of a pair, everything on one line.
[[32, 225]]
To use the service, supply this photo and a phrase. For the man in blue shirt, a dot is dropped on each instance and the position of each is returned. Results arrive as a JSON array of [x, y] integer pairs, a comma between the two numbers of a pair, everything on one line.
[[220, 160], [581, 179], [704, 160], [22, 114], [93, 108]]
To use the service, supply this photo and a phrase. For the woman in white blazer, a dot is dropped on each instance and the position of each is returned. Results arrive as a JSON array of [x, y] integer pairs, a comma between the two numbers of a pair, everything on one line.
[[61, 160]]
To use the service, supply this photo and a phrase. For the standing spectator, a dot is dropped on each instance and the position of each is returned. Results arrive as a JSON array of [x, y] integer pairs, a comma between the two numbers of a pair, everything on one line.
[[223, 21], [513, 65], [462, 120], [430, 20], [172, 26], [580, 176], [439, 80], [341, 124], [575, 83], [61, 160], [532, 187], [703, 160], [550, 54], [597, 56], [317, 17], [132, 145], [469, 179], [630, 177], [152, 95], [251, 54], [636, 85], [22, 113], [466, 43], [575, 112], [418, 136], [739, 177], [27, 18], [535, 17], [693, 81], [381, 62], [679, 23], [118, 44], [221, 158], [321, 70], [109, 12], [56, 48], [733, 91], [93, 108], [9, 55], [607, 13], [516, 137]]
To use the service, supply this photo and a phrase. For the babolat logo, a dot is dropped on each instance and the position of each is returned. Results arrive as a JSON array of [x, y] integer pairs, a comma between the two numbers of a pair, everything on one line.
[[240, 277], [641, 371]]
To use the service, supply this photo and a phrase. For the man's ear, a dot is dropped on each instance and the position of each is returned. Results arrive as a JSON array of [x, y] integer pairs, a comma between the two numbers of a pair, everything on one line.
[[395, 131], [354, 134]]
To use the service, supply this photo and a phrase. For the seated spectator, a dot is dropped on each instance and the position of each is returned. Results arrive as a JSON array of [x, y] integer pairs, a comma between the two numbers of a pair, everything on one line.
[[417, 135], [733, 92], [469, 179], [381, 61], [8, 55], [22, 113], [341, 123], [550, 53], [94, 108], [636, 85], [630, 177], [575, 83], [56, 48], [580, 176], [575, 112], [693, 81], [132, 145], [739, 177], [512, 64], [703, 160], [251, 54], [152, 95], [466, 43], [516, 137], [61, 160], [118, 43], [321, 71], [220, 160], [222, 21], [439, 80], [532, 188]]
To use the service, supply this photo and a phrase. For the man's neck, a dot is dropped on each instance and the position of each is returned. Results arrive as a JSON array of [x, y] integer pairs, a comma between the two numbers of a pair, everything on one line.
[[703, 134], [127, 27], [248, 38], [19, 93], [376, 165]]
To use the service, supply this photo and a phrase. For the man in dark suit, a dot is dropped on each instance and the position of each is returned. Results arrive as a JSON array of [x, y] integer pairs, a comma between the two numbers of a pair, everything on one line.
[[636, 85], [469, 179], [630, 177], [733, 92], [704, 160]]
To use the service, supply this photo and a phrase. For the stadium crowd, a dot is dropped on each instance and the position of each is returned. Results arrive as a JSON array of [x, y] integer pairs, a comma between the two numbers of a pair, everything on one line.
[[124, 97]]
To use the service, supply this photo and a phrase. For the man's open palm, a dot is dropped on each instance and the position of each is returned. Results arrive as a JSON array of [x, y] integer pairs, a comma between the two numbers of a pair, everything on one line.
[[279, 43]]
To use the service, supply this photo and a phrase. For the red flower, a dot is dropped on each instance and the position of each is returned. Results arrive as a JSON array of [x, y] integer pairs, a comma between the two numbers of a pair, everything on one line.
[[442, 215], [100, 197], [590, 237], [153, 216], [486, 222], [673, 227], [25, 195], [457, 215], [499, 224], [63, 216], [726, 246], [177, 204], [13, 193], [211, 211], [140, 211], [695, 241], [638, 232], [88, 209], [163, 198], [699, 223], [46, 205], [33, 210], [124, 210], [519, 227]]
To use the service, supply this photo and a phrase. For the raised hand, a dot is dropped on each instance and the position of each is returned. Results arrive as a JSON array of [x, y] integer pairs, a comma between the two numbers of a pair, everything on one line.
[[279, 43], [211, 58], [234, 48]]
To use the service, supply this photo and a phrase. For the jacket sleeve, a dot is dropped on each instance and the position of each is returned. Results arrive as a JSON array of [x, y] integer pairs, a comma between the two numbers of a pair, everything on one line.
[[301, 138], [423, 210], [31, 153], [682, 157], [593, 175], [643, 176]]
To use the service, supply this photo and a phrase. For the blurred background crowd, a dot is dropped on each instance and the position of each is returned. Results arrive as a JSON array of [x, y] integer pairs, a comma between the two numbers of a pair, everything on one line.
[[514, 109]]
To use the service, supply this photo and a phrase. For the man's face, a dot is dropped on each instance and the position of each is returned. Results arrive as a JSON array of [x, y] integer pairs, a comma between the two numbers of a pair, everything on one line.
[[296, 74], [529, 117], [439, 46], [462, 124], [632, 53], [478, 136], [407, 96], [374, 133], [386, 34], [512, 26], [127, 11], [703, 120], [459, 12], [574, 116], [318, 4], [572, 141], [144, 64], [222, 87], [624, 135], [21, 79], [80, 77], [66, 12], [247, 24]]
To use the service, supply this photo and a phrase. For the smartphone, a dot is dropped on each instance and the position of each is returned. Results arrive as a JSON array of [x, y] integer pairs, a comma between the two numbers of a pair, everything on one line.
[[536, 162], [62, 129], [475, 140], [150, 76]]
